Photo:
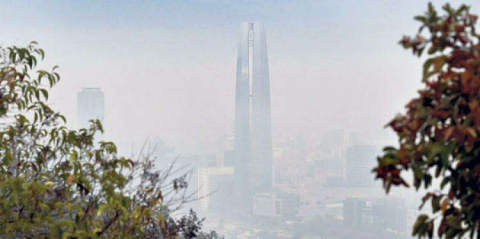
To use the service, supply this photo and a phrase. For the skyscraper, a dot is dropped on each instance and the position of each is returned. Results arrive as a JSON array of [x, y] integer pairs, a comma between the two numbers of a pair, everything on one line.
[[253, 133], [90, 106], [359, 166]]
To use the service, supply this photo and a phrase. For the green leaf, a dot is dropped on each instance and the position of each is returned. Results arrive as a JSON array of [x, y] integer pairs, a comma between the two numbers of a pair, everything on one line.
[[102, 208], [73, 157]]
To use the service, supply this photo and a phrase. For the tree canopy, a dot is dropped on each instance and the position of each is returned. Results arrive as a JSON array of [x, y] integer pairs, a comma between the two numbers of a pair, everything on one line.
[[58, 182], [439, 133]]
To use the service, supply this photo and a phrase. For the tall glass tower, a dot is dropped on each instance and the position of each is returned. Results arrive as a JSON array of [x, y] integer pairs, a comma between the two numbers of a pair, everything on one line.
[[253, 133]]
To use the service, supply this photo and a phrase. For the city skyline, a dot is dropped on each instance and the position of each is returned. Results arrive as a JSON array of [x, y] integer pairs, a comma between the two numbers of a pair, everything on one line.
[[163, 60], [266, 118]]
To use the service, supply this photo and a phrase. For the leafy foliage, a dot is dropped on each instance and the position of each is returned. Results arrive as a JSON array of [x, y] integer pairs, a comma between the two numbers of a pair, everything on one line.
[[438, 135], [61, 183]]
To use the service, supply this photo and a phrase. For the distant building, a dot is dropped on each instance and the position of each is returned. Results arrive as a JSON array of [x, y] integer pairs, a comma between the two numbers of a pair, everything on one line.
[[213, 185], [388, 212], [360, 162], [253, 130], [311, 207], [392, 213], [335, 182], [290, 205], [267, 204], [358, 212], [90, 106], [334, 143]]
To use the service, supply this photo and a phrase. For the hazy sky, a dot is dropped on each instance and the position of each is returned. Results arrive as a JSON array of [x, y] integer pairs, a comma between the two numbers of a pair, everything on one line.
[[168, 67]]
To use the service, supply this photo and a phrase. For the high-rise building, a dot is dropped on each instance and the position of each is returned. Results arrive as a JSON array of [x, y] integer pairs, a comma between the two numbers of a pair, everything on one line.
[[253, 133], [212, 186], [90, 106], [360, 161]]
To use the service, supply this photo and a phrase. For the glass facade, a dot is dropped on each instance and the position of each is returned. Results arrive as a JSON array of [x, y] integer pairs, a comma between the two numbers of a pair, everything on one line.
[[253, 137]]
